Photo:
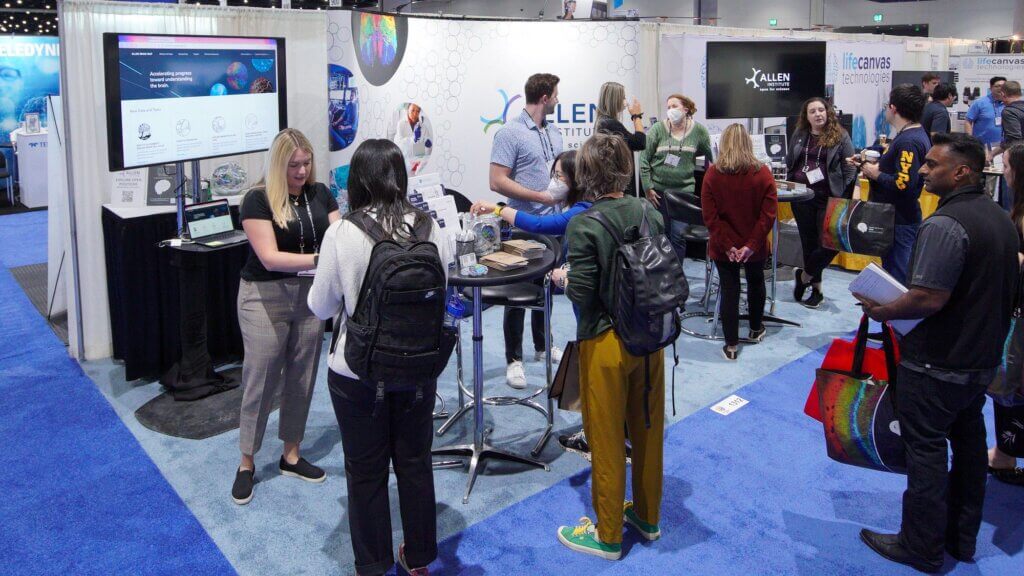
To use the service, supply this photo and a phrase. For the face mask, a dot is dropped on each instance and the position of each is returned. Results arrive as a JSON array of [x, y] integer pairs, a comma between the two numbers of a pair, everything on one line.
[[558, 189], [675, 115]]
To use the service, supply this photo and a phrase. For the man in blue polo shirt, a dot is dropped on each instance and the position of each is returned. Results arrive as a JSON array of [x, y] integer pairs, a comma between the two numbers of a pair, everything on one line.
[[984, 118], [523, 153]]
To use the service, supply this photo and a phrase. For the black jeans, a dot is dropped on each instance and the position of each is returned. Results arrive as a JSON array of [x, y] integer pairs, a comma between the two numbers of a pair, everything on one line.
[[729, 307], [515, 319], [809, 216], [402, 435], [942, 504]]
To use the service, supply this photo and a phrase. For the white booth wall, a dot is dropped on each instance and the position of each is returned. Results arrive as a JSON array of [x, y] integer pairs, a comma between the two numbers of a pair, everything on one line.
[[83, 23]]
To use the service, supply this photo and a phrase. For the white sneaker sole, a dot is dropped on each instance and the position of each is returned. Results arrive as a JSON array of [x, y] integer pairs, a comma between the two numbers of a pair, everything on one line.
[[301, 477], [649, 536], [586, 550], [243, 501], [585, 455]]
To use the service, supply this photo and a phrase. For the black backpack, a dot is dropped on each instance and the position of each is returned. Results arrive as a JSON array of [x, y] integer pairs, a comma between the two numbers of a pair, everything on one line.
[[650, 289], [396, 339]]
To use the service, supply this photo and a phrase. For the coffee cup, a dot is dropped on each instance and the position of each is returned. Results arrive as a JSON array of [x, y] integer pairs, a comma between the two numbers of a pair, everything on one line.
[[870, 156]]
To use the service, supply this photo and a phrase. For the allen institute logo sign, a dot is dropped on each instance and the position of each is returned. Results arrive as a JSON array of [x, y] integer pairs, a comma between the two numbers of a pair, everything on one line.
[[769, 82], [503, 117]]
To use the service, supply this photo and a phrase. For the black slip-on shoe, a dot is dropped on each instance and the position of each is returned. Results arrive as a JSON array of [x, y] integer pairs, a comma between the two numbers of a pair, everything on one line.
[[730, 354], [815, 299], [756, 336], [888, 546], [302, 470], [241, 490], [799, 286]]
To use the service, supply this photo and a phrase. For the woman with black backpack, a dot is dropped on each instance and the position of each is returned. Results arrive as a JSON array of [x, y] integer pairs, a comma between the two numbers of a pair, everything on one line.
[[382, 423]]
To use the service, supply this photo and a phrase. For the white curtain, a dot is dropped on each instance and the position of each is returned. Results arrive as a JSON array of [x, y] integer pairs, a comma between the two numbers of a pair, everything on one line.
[[84, 22]]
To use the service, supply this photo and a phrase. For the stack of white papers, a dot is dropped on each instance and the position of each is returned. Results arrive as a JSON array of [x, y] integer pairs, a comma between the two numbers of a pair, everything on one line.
[[876, 284]]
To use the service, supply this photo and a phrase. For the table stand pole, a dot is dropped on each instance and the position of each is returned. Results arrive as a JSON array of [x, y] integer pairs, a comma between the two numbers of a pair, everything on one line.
[[547, 367], [179, 195], [775, 261]]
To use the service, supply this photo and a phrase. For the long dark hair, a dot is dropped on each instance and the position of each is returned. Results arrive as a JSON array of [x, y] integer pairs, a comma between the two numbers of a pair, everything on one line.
[[568, 161], [831, 132], [377, 182], [1014, 156]]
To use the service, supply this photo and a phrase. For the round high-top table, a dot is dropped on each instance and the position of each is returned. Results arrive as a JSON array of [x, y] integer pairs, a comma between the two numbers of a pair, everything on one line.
[[480, 450], [792, 196]]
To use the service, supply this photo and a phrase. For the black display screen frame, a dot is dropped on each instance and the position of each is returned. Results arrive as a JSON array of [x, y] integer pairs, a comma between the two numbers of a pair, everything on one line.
[[730, 92]]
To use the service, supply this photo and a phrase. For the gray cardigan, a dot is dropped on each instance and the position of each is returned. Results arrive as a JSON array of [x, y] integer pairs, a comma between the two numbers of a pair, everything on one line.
[[841, 176]]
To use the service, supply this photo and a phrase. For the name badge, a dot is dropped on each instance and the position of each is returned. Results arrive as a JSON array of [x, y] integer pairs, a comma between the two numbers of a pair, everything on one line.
[[815, 176], [672, 160], [999, 120]]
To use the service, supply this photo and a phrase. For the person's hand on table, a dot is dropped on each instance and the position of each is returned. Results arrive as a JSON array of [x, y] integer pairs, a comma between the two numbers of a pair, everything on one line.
[[654, 197], [870, 170], [869, 306], [481, 207]]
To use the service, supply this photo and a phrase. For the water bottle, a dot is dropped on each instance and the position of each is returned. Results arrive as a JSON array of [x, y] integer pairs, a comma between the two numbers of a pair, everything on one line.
[[453, 310]]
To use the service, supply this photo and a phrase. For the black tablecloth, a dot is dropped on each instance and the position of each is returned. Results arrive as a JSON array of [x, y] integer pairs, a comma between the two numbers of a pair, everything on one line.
[[142, 288]]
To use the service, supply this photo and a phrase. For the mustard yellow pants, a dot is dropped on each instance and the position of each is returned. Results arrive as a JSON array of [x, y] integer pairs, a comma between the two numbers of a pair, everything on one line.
[[612, 390]]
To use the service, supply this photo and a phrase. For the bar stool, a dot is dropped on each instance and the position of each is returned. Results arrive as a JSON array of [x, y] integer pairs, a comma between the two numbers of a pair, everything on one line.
[[528, 296]]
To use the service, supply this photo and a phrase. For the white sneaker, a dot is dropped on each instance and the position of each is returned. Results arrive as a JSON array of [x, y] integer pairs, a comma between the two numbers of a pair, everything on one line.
[[515, 375], [556, 355]]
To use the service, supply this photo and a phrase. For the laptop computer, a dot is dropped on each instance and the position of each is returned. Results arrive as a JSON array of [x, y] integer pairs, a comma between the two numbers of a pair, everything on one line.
[[209, 224]]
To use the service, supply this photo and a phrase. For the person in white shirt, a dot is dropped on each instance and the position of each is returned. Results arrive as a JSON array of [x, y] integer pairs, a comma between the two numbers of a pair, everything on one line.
[[401, 433]]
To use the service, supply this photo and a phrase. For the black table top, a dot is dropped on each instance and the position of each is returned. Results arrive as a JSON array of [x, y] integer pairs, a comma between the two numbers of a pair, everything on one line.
[[534, 269], [194, 248], [792, 196]]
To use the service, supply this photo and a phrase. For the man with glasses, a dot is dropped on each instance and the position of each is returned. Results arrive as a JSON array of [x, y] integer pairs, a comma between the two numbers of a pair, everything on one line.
[[984, 117]]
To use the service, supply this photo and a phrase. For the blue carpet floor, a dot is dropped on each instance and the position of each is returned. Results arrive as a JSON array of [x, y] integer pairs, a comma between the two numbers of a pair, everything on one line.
[[749, 493], [80, 494], [23, 239]]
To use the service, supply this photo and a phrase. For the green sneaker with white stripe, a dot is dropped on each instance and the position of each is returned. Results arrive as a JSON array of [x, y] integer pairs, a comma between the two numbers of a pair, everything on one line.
[[583, 538], [648, 531]]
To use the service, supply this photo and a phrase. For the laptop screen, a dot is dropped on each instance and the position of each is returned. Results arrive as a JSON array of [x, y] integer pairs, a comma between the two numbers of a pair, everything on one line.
[[208, 219]]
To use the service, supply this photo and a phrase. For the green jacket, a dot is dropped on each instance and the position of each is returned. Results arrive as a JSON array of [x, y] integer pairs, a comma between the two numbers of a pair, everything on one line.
[[656, 174], [591, 259]]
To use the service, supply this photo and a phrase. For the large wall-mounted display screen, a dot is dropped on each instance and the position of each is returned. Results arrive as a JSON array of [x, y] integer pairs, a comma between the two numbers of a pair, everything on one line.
[[763, 79], [181, 98]]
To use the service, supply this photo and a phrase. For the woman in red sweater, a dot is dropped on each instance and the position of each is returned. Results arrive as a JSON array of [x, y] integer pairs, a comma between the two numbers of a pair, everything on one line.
[[739, 203]]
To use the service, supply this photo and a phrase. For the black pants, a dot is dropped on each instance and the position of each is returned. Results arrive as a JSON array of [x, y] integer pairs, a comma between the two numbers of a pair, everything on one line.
[[729, 307], [514, 324], [809, 216], [401, 434], [942, 504]]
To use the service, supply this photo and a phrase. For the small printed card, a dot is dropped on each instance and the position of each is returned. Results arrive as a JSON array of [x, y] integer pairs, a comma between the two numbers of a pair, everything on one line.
[[467, 260], [729, 405]]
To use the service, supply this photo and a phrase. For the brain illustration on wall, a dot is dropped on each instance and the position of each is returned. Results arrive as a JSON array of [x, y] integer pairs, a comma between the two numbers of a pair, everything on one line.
[[380, 42]]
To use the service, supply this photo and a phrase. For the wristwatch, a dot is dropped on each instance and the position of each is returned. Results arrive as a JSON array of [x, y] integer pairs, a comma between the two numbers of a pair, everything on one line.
[[316, 260], [636, 116], [498, 208]]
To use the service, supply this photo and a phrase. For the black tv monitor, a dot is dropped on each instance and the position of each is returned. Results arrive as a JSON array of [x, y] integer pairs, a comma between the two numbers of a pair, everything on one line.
[[763, 79], [181, 98], [914, 77]]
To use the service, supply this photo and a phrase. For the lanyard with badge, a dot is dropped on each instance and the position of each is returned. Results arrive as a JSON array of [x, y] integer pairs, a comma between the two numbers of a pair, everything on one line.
[[672, 159], [302, 229], [816, 175], [545, 138]]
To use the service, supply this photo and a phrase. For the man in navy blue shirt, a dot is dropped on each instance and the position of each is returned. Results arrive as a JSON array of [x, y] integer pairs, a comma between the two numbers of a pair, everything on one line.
[[895, 180], [984, 118]]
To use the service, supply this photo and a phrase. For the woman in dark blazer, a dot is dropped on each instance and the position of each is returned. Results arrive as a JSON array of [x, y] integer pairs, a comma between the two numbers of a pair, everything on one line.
[[611, 103], [816, 153]]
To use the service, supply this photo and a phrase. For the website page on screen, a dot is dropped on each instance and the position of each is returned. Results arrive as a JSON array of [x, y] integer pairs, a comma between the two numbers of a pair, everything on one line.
[[187, 97], [209, 219]]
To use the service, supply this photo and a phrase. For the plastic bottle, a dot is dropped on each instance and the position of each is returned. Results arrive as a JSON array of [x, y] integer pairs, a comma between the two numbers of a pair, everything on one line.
[[453, 310]]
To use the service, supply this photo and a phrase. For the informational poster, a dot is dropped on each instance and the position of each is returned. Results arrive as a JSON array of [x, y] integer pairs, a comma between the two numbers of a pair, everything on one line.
[[974, 73], [29, 72], [454, 84]]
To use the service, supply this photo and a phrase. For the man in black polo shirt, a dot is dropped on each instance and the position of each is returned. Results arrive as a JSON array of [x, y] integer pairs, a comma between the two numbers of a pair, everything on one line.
[[962, 280]]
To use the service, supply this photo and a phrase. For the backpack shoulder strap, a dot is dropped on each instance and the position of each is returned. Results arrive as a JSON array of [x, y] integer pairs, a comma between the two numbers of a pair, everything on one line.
[[421, 227], [606, 224], [367, 224], [645, 226]]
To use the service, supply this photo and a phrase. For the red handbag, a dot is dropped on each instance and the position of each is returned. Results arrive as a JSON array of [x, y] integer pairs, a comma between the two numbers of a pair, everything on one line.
[[840, 357]]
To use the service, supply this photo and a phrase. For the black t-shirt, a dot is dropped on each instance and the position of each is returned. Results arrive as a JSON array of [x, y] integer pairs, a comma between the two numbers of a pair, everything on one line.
[[299, 237]]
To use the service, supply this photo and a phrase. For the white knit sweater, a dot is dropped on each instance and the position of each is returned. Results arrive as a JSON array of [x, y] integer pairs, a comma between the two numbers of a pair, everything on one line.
[[344, 257]]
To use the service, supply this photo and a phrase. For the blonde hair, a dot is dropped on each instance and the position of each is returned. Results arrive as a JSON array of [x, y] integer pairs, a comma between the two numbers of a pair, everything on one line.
[[609, 102], [280, 154], [736, 153]]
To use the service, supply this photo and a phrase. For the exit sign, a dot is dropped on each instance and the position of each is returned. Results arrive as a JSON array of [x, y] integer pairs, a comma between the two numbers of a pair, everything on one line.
[[878, 17], [773, 22]]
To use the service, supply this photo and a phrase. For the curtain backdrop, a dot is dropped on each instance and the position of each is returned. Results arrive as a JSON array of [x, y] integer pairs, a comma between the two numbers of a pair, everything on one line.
[[83, 24]]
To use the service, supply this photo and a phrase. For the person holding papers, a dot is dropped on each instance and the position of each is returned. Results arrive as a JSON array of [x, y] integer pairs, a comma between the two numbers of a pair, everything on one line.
[[962, 281]]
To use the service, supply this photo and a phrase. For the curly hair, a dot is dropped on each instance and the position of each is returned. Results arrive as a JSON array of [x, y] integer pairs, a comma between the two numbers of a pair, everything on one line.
[[831, 133]]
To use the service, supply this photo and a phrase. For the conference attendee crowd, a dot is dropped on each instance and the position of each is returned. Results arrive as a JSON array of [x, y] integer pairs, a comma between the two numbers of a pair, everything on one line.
[[309, 263]]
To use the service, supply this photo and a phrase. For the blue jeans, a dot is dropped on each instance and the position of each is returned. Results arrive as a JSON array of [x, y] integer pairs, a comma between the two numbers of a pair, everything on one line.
[[897, 261]]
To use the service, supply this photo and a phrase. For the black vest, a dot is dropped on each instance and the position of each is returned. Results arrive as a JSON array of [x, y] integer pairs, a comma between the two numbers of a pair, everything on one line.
[[968, 333]]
